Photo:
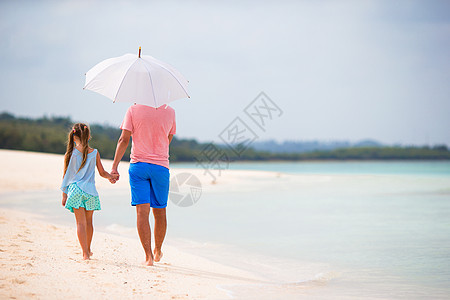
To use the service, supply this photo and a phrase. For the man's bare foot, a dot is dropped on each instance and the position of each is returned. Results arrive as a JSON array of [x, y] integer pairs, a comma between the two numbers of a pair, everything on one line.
[[90, 253], [148, 262], [86, 257], [158, 255]]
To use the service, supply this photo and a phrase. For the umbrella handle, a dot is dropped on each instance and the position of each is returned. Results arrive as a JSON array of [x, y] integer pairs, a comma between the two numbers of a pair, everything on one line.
[[139, 52]]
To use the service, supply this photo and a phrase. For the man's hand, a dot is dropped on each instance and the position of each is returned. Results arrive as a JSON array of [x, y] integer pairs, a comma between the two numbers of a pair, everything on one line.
[[64, 199], [115, 175], [112, 179]]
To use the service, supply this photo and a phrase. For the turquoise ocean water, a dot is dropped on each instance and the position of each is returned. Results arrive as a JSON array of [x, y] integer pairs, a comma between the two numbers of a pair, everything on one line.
[[371, 230]]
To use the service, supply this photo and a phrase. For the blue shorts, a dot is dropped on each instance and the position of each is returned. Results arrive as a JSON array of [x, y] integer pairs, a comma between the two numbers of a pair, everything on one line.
[[149, 184]]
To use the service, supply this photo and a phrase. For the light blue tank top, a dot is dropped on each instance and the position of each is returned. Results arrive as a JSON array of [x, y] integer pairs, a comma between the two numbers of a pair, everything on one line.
[[85, 178]]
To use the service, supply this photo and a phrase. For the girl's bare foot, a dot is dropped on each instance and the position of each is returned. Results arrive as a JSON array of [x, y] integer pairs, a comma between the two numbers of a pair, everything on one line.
[[158, 255], [86, 257]]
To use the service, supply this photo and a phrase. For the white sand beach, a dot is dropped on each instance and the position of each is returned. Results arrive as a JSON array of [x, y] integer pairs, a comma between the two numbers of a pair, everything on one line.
[[252, 235], [40, 260]]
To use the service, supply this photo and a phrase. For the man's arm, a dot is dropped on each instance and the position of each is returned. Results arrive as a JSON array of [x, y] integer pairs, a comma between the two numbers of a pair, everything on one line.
[[122, 145], [170, 138]]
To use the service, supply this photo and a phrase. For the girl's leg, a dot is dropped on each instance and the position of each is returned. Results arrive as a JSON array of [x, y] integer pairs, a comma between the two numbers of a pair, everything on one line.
[[80, 216], [89, 229]]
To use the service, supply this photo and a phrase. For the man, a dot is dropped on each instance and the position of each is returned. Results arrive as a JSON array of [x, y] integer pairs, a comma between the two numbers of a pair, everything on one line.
[[151, 130]]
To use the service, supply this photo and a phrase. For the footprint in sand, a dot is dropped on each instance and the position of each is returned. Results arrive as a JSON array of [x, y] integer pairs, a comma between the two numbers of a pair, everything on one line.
[[178, 296], [17, 281], [31, 295]]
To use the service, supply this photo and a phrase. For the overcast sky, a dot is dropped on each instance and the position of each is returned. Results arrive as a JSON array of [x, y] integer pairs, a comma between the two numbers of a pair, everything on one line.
[[339, 70]]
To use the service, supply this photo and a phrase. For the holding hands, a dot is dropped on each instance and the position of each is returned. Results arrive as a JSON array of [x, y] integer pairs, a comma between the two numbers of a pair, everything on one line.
[[114, 176]]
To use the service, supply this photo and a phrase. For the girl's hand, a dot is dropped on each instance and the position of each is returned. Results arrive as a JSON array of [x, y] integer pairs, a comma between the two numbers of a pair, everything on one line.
[[64, 199]]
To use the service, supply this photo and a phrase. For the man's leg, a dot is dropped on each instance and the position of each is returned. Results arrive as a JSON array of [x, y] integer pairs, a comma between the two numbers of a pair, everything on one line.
[[143, 227], [160, 230]]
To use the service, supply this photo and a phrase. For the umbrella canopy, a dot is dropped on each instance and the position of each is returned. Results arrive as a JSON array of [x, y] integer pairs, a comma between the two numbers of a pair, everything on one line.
[[131, 78]]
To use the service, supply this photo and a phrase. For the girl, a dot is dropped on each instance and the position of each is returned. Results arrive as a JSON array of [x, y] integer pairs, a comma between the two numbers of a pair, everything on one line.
[[79, 193]]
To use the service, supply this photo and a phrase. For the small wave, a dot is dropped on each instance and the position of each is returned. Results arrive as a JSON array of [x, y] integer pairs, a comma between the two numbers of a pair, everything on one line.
[[318, 280], [277, 290], [327, 276]]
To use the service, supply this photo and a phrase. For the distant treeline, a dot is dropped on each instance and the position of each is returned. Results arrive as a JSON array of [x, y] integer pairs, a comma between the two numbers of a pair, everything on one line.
[[50, 135]]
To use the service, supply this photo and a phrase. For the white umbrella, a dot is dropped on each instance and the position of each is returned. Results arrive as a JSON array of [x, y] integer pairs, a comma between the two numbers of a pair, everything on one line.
[[131, 78]]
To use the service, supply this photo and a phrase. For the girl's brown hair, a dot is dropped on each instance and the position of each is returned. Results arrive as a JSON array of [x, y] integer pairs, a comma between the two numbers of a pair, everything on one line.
[[81, 131]]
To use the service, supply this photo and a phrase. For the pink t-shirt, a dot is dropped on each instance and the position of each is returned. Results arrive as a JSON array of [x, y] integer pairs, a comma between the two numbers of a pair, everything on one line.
[[150, 128]]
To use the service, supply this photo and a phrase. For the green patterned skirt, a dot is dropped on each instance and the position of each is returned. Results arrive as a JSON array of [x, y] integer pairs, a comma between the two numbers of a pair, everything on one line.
[[77, 198]]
